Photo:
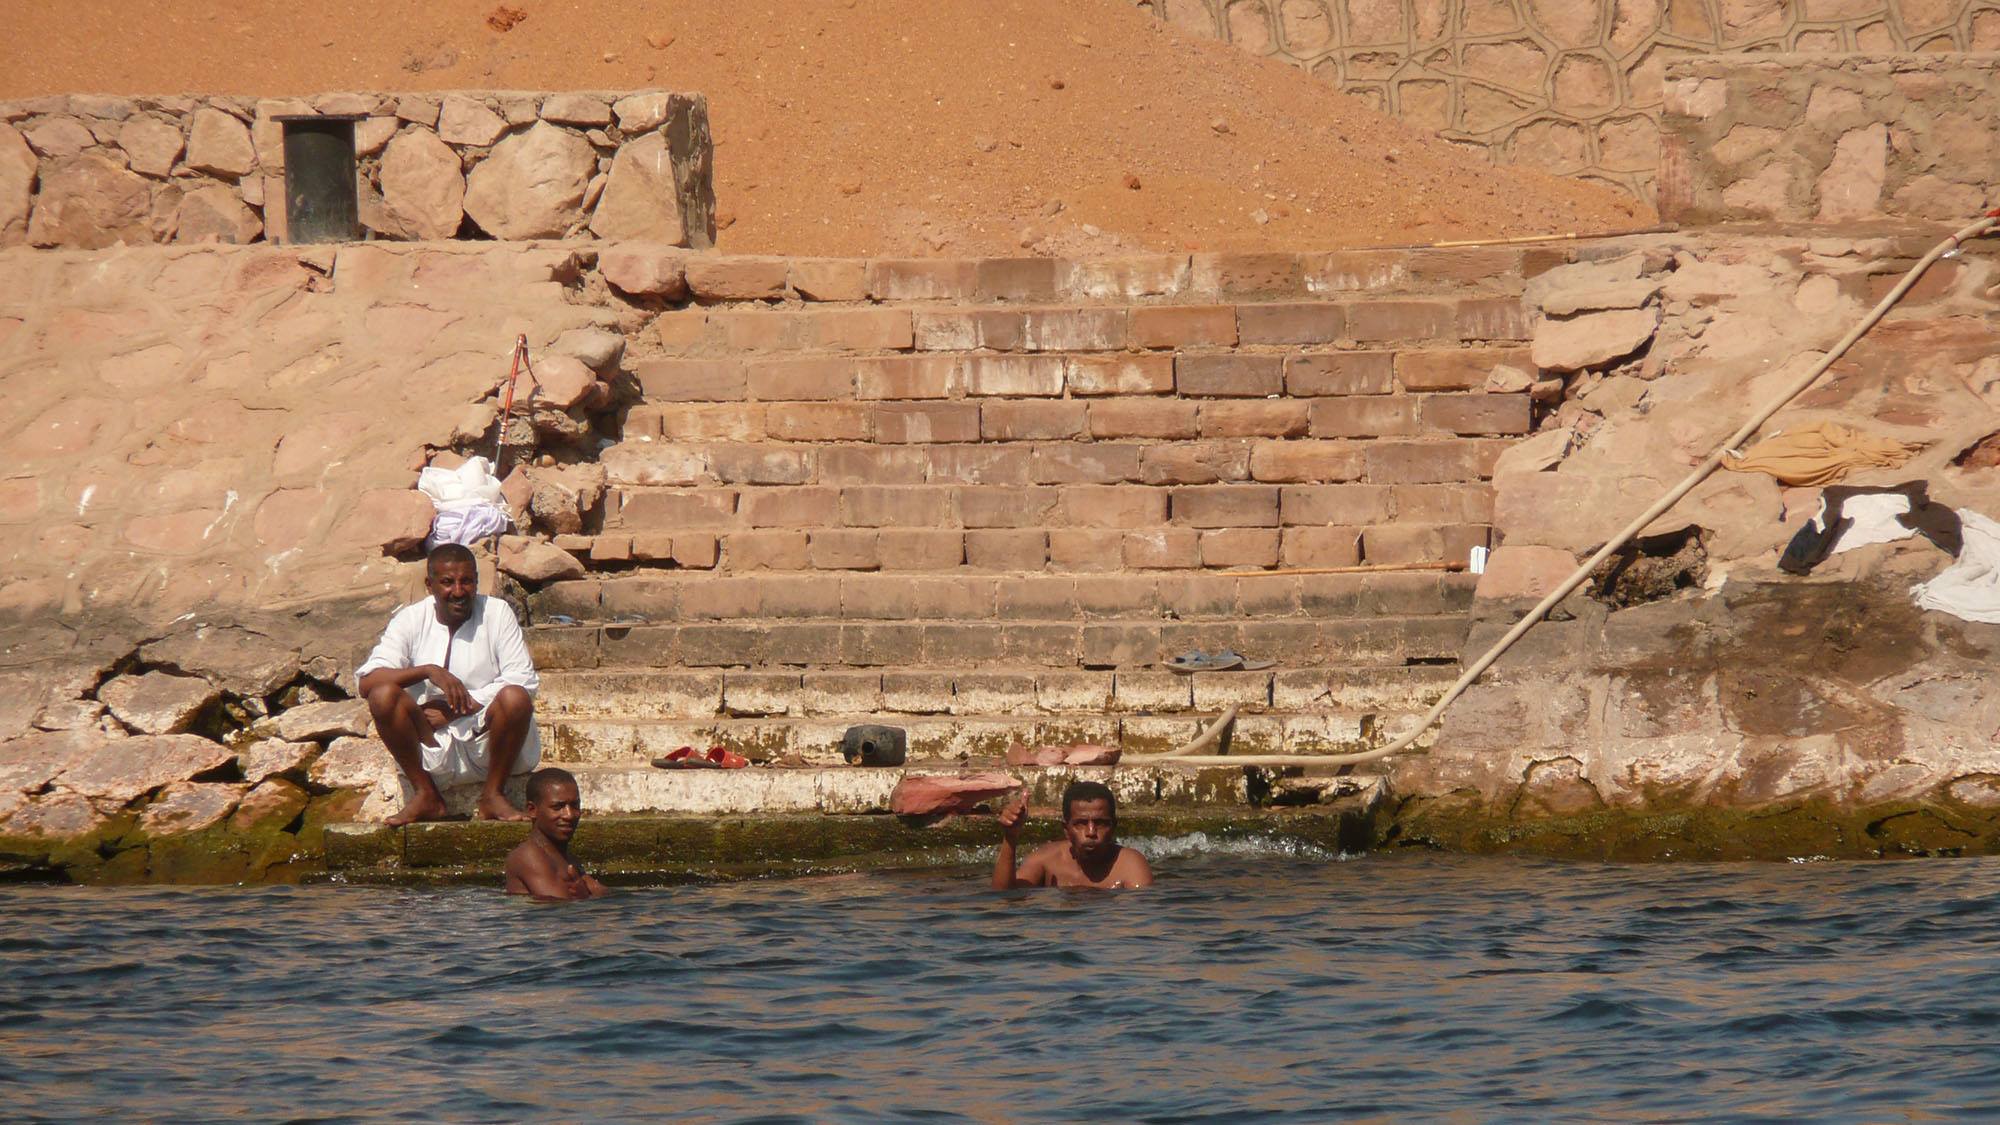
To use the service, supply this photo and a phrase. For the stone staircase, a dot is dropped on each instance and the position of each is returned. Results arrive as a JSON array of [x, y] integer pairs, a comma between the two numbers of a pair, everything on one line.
[[983, 500]]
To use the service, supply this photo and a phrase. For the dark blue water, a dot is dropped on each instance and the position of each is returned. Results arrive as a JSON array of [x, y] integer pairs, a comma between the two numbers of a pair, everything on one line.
[[1243, 986]]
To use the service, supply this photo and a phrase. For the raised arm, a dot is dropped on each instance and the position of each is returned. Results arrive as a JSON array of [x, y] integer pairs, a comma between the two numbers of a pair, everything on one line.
[[1004, 876]]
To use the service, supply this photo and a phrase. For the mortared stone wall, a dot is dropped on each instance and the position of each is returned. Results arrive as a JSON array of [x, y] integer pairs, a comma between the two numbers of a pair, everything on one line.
[[1805, 138], [85, 171], [1569, 86]]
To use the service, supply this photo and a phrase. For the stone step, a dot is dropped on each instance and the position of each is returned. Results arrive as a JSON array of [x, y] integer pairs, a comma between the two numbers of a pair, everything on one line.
[[1304, 484], [654, 849], [627, 785], [1316, 320], [1358, 368], [726, 442], [645, 695], [694, 598], [948, 738], [1114, 643], [645, 271], [1062, 552]]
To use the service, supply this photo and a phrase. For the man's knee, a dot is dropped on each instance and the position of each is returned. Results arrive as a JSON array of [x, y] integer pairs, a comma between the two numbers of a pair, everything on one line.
[[513, 704], [385, 699]]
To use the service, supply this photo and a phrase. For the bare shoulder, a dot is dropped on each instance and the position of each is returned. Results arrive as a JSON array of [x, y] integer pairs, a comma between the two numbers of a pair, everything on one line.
[[527, 857], [1132, 868]]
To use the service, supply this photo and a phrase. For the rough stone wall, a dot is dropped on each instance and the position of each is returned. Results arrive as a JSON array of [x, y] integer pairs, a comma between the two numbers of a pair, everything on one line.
[[1568, 86], [1706, 680], [1794, 137], [90, 171]]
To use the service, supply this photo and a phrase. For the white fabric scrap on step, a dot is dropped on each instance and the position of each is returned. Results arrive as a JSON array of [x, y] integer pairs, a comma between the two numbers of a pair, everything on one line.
[[1970, 587], [467, 525], [1874, 515]]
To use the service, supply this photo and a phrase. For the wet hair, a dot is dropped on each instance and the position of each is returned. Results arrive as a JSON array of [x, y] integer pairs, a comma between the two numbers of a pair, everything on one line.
[[449, 553], [1089, 791], [542, 780]]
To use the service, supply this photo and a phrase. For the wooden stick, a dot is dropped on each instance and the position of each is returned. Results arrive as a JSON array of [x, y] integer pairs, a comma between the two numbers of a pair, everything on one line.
[[1662, 228], [1365, 568]]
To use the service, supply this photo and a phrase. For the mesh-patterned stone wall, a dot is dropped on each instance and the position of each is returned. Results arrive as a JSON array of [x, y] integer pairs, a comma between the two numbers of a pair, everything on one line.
[[1795, 138], [88, 171], [1569, 86]]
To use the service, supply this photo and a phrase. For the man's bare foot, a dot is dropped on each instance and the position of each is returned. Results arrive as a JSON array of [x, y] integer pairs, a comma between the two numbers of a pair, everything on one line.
[[494, 806], [423, 806]]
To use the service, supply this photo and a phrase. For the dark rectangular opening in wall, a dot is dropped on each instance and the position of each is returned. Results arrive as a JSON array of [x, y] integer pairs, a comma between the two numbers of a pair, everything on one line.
[[322, 203]]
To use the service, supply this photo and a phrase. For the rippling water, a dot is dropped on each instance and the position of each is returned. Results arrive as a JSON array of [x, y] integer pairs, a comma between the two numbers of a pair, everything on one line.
[[1243, 986]]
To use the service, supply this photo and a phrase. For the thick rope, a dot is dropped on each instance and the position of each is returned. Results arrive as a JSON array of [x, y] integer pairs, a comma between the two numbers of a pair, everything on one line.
[[1218, 730]]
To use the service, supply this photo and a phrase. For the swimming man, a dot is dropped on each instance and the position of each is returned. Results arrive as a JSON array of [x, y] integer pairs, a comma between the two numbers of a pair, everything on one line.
[[452, 689], [540, 865], [1088, 855]]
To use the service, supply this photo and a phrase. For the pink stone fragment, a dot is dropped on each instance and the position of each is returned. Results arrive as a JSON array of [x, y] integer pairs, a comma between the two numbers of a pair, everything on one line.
[[929, 794]]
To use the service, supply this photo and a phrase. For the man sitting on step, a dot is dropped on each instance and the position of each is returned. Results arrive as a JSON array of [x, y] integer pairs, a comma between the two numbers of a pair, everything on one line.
[[452, 689], [1088, 855]]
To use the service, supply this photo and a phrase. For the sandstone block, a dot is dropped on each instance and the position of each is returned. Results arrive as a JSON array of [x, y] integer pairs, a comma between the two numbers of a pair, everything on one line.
[[120, 770], [1235, 376], [1119, 375], [464, 121], [1008, 549], [1146, 418], [59, 136], [423, 189], [638, 113], [215, 214], [1524, 572], [1321, 546], [645, 271], [641, 199], [1364, 416], [1240, 546], [829, 279], [220, 144], [536, 560], [1033, 421], [397, 518], [692, 380], [158, 702], [89, 202], [576, 109], [1594, 339], [18, 166], [1226, 506], [922, 279], [1174, 326], [1340, 373], [190, 806], [925, 423], [1434, 462], [151, 145], [564, 381], [1297, 323], [532, 184], [1476, 413], [1230, 418], [1304, 461], [1349, 505], [737, 278]]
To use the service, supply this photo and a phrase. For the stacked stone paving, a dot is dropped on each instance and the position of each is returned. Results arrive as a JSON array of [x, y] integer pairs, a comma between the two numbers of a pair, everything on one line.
[[987, 499]]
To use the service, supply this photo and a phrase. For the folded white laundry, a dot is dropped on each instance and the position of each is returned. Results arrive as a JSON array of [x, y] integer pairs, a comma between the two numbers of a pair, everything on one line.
[[1970, 587]]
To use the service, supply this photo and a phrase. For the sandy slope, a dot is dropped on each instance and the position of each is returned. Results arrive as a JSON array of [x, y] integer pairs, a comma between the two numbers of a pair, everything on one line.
[[879, 126]]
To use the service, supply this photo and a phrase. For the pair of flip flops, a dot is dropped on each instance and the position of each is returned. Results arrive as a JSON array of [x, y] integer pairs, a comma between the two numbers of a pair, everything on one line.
[[1224, 660], [688, 758]]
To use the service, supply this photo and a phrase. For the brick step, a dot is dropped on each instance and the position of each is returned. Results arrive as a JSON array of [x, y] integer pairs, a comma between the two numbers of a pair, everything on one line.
[[652, 695], [816, 740], [651, 271], [1377, 478], [1327, 319], [1210, 371], [693, 599], [1059, 551], [1130, 643], [756, 441]]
